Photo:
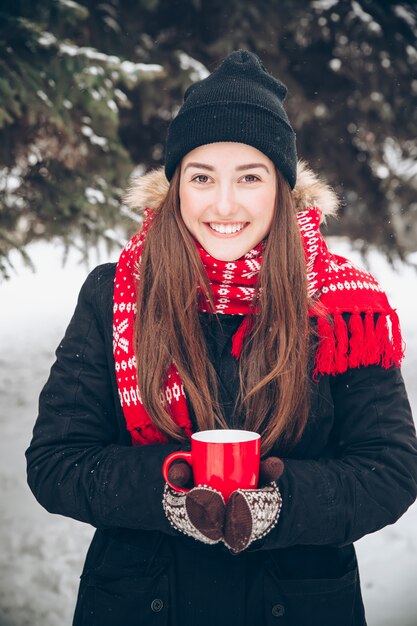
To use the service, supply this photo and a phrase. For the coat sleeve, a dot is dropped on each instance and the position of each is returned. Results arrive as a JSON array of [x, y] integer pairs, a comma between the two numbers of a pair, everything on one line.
[[371, 479], [76, 465]]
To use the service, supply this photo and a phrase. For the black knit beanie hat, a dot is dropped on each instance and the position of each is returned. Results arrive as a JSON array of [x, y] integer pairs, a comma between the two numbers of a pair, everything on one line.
[[240, 101]]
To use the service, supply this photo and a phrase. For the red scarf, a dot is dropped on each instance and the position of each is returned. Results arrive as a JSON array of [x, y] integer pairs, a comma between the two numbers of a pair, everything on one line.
[[333, 282]]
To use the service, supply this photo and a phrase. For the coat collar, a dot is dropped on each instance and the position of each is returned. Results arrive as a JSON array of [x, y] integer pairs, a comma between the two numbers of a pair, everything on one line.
[[149, 191]]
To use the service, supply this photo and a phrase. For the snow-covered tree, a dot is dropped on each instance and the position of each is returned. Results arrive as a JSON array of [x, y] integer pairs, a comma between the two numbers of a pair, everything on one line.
[[63, 164], [87, 91]]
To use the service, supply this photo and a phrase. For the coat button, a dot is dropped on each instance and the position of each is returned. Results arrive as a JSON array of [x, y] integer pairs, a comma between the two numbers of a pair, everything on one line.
[[278, 610], [157, 605]]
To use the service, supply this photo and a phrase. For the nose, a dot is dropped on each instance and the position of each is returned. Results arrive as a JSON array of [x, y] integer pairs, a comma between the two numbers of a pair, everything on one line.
[[225, 201]]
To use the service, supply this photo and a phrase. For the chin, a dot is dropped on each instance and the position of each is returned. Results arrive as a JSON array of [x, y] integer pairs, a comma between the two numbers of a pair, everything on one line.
[[223, 256]]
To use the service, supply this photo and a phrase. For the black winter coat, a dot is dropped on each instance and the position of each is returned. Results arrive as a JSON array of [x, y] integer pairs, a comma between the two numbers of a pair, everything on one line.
[[353, 472]]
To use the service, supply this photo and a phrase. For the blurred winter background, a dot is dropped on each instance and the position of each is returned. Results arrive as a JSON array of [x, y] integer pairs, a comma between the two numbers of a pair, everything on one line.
[[87, 90]]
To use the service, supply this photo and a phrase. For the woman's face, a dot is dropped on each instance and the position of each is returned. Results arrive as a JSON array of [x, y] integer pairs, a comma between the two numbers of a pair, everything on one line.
[[227, 197]]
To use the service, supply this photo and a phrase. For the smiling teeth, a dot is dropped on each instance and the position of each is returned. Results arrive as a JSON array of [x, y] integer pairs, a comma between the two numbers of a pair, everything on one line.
[[227, 229]]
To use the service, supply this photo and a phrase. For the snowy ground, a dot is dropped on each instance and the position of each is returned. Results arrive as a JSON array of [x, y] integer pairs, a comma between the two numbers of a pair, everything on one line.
[[41, 555]]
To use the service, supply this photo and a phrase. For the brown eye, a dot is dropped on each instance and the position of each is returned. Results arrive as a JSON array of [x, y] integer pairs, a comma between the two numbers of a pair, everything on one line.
[[201, 178], [250, 178]]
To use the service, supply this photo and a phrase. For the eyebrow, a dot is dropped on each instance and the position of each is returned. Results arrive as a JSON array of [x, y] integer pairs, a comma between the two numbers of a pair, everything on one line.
[[199, 166], [240, 168], [251, 166]]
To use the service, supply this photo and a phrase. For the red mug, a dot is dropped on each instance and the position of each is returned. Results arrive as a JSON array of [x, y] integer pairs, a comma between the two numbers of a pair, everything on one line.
[[223, 459]]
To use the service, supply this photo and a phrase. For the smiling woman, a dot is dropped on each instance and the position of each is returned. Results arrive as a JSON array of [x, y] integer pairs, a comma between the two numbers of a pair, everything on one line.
[[227, 197], [227, 311]]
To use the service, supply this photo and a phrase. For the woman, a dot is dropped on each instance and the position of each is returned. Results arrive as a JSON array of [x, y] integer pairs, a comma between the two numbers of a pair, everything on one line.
[[227, 310]]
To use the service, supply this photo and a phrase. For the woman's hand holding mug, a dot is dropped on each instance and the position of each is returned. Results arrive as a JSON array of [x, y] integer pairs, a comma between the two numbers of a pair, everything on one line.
[[226, 504]]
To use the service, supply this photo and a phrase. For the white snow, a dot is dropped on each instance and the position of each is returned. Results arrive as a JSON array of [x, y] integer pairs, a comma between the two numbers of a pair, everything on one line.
[[95, 195], [47, 39], [41, 555], [199, 71], [335, 64], [324, 5], [87, 131], [365, 17], [407, 16]]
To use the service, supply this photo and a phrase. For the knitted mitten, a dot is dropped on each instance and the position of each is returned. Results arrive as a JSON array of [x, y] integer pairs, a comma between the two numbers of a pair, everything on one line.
[[199, 513], [250, 515], [270, 469]]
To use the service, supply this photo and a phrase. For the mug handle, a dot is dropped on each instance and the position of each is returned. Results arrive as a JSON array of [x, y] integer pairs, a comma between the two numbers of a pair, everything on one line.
[[185, 456]]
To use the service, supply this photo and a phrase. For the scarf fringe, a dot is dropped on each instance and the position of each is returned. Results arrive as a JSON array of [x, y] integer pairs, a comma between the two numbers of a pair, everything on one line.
[[360, 342]]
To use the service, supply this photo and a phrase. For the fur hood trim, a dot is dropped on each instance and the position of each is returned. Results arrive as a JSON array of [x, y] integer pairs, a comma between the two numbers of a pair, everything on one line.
[[149, 191]]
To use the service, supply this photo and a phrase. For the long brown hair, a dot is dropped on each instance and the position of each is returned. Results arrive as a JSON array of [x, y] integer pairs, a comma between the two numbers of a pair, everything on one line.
[[273, 366]]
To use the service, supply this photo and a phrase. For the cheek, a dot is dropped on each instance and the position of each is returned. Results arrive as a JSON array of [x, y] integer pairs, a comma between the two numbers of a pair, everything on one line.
[[192, 206], [267, 202], [186, 207]]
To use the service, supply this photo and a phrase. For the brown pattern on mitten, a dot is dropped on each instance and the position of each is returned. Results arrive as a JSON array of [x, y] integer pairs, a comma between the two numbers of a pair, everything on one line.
[[250, 515], [206, 511], [198, 513], [238, 523]]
